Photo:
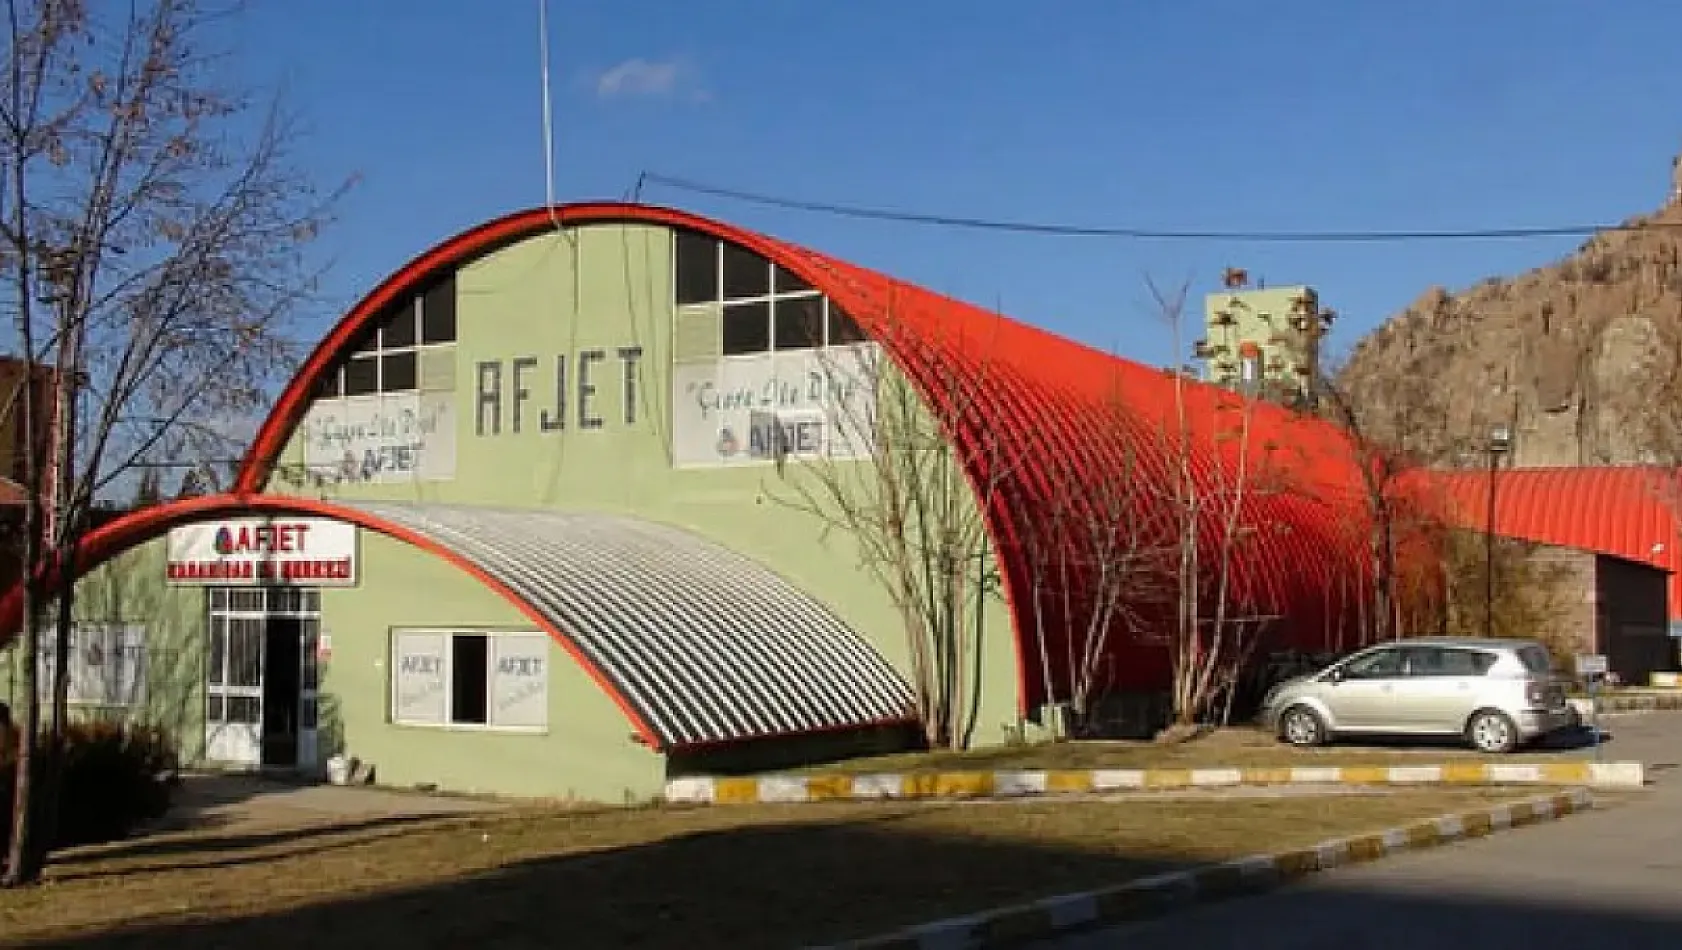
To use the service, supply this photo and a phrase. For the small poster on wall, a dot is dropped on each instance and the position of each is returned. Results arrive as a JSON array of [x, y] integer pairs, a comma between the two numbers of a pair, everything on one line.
[[520, 681], [419, 678]]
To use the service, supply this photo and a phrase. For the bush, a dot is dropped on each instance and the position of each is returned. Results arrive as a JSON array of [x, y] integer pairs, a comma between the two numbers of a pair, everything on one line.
[[116, 778]]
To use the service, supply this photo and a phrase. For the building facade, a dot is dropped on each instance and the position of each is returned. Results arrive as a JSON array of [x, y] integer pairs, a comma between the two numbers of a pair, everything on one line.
[[532, 519]]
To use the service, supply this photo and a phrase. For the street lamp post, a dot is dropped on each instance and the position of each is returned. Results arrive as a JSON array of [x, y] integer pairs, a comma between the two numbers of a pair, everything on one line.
[[1500, 442]]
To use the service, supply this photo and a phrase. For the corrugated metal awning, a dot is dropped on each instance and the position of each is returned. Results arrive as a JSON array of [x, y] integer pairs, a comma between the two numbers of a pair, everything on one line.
[[707, 646]]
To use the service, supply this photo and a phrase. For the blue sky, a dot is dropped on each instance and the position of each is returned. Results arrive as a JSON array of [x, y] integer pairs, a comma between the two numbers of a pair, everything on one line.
[[1213, 114]]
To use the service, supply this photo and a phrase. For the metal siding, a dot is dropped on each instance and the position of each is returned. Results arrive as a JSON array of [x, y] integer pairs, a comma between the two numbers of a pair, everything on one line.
[[707, 645], [1619, 510]]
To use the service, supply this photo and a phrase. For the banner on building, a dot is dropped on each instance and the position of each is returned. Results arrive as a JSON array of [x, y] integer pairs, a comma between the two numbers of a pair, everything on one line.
[[307, 552], [107, 665], [420, 678], [818, 403], [390, 437]]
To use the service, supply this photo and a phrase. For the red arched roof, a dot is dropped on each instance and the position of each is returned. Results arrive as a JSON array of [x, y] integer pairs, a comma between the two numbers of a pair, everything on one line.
[[1628, 511], [1036, 408]]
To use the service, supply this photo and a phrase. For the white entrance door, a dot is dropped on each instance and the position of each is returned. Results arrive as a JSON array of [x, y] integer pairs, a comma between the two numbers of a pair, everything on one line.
[[234, 689], [257, 714]]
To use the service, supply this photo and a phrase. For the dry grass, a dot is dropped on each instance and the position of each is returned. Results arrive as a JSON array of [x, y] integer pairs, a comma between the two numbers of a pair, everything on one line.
[[750, 876], [1234, 748]]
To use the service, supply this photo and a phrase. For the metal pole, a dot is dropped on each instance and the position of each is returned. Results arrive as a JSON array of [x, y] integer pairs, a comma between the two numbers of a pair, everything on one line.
[[1489, 554]]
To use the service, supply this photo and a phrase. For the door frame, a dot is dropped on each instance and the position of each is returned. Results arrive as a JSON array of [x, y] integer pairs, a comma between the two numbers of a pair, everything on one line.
[[224, 607]]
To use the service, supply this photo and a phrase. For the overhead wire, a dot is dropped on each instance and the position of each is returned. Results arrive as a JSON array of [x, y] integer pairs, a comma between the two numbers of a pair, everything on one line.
[[1053, 229]]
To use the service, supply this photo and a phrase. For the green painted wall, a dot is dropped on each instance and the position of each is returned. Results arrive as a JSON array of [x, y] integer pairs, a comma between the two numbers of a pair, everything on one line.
[[586, 752], [602, 287], [1263, 317], [130, 589]]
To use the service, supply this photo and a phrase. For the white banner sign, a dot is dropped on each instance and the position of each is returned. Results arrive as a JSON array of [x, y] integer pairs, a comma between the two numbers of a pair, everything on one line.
[[419, 678], [394, 437], [308, 552], [107, 665], [801, 404], [520, 681]]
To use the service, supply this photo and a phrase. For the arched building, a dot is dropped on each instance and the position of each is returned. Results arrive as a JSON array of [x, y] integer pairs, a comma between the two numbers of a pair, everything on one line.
[[516, 525]]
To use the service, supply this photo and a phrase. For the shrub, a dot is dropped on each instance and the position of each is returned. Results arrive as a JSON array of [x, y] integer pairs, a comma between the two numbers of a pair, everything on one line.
[[116, 778]]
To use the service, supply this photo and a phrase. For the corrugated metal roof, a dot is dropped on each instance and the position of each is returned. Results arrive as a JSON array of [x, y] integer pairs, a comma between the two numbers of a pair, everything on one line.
[[1038, 415], [1626, 510], [706, 645]]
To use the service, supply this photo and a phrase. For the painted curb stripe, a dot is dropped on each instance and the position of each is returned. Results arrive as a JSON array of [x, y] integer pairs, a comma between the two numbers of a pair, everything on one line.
[[833, 787], [1150, 896]]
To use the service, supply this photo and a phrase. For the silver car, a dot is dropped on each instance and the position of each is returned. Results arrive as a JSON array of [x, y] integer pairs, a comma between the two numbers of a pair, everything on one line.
[[1497, 694]]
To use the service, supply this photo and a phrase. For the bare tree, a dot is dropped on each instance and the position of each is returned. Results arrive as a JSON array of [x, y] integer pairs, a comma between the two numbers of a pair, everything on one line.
[[895, 476], [1214, 483], [1099, 558], [154, 258]]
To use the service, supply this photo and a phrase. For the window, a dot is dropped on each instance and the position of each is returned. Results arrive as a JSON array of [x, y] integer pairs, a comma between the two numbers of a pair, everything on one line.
[[696, 260], [1440, 661], [1379, 664], [470, 679], [747, 328], [762, 307], [799, 323], [1535, 659], [387, 359]]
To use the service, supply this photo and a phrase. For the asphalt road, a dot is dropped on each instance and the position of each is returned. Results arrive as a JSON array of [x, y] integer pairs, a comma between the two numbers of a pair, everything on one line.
[[1608, 878]]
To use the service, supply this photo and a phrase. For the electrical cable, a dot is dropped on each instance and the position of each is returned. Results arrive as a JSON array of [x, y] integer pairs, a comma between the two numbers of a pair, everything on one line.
[[1134, 233]]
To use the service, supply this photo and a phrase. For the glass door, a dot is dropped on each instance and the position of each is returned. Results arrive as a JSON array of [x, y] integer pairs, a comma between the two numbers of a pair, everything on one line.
[[256, 714]]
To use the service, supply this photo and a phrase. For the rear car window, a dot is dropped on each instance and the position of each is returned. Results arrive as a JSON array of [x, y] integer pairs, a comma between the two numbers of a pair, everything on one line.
[[1535, 659]]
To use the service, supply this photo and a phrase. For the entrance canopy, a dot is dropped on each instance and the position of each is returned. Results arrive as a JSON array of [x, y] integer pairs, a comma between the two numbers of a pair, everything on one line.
[[697, 644]]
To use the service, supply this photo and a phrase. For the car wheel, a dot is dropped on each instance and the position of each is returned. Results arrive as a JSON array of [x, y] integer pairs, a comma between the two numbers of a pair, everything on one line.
[[1301, 726], [1492, 732]]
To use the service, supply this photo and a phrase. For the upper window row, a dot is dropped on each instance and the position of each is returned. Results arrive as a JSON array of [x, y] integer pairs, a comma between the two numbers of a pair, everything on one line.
[[386, 359], [713, 271]]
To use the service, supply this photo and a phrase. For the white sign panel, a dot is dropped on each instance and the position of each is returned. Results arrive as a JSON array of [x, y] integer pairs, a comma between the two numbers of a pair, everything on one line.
[[392, 437], [107, 665], [802, 404], [419, 678], [520, 681], [309, 552]]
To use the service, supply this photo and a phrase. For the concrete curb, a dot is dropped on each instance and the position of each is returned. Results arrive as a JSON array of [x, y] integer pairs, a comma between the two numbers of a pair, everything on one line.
[[1630, 702], [785, 788], [1146, 897]]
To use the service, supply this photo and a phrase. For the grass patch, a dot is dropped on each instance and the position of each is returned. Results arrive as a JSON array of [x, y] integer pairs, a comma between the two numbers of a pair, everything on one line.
[[750, 876], [1236, 748]]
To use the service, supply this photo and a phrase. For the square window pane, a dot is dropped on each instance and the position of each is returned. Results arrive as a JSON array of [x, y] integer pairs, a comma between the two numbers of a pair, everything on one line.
[[215, 709], [368, 342], [438, 312], [398, 328], [397, 372], [697, 268], [470, 678], [842, 328], [799, 323], [788, 283], [746, 274], [330, 384], [747, 328], [245, 709], [362, 376]]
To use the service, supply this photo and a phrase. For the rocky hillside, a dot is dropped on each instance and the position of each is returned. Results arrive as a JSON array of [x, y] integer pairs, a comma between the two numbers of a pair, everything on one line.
[[1579, 358]]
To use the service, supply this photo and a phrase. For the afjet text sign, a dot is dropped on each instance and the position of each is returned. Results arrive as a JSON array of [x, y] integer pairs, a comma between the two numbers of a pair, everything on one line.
[[307, 552], [800, 404]]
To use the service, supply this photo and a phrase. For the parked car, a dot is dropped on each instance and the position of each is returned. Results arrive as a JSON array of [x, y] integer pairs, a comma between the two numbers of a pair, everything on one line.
[[1496, 694]]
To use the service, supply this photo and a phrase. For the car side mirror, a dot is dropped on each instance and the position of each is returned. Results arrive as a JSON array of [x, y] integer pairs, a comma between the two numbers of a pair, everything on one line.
[[1335, 675]]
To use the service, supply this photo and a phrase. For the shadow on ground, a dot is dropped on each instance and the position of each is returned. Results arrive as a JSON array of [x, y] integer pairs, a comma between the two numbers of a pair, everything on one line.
[[754, 888]]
